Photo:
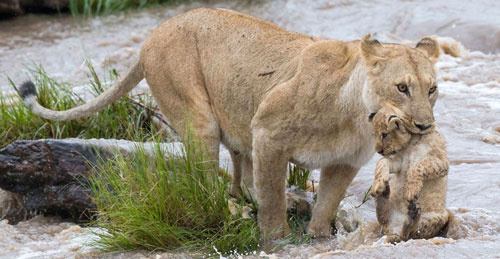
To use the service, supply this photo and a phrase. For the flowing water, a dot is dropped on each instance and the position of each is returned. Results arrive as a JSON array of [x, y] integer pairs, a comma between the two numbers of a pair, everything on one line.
[[467, 112]]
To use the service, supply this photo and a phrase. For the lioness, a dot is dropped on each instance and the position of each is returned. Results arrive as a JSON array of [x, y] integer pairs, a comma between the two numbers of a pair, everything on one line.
[[272, 96], [413, 204]]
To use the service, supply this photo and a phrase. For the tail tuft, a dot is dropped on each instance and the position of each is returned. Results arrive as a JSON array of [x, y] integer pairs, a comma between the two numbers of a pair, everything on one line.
[[27, 89]]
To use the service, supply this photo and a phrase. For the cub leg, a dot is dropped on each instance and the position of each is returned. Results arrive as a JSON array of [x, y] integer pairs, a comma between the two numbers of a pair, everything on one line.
[[383, 208], [381, 180], [269, 165], [333, 183], [432, 224], [429, 168]]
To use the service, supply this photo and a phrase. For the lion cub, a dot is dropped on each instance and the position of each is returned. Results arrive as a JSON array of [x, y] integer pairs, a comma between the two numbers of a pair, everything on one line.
[[413, 204]]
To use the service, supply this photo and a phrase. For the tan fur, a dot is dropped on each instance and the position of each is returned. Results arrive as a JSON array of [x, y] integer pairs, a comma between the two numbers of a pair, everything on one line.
[[273, 96], [413, 204]]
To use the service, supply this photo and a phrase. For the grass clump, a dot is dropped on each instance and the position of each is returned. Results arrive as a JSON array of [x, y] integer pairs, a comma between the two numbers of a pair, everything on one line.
[[120, 120], [298, 176], [103, 7], [166, 202]]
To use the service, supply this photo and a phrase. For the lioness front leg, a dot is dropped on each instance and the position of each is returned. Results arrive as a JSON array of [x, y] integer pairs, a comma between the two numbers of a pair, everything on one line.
[[333, 183], [429, 168], [269, 166]]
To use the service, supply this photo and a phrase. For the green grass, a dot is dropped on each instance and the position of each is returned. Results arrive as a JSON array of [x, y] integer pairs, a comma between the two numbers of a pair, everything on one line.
[[174, 204], [90, 8], [163, 202], [298, 176], [120, 120]]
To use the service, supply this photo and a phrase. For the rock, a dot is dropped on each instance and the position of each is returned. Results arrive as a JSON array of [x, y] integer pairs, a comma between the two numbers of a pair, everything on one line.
[[299, 201], [10, 7], [18, 7], [50, 175], [12, 207]]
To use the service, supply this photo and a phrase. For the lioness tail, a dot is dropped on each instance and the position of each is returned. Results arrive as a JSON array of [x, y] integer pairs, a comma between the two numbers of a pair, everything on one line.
[[27, 91]]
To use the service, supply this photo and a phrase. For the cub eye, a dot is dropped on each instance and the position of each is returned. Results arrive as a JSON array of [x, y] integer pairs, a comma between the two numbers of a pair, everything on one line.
[[432, 90], [403, 88], [384, 135]]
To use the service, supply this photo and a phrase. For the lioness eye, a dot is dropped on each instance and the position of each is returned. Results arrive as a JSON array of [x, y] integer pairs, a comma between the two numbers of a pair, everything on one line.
[[384, 135], [403, 88], [432, 90]]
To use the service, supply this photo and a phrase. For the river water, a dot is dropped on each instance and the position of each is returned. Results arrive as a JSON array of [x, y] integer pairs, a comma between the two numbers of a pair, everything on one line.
[[467, 112]]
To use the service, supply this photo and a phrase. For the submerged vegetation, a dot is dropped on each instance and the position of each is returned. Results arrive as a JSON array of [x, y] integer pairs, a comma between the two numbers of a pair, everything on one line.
[[120, 120]]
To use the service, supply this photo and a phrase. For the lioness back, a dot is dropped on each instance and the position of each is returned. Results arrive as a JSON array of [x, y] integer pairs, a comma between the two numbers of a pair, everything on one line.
[[238, 58]]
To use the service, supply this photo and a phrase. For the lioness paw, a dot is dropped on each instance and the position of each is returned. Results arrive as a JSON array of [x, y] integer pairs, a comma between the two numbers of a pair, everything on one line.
[[319, 230]]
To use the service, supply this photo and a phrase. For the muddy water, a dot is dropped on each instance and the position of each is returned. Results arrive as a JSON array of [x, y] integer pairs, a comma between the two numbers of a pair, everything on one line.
[[467, 112]]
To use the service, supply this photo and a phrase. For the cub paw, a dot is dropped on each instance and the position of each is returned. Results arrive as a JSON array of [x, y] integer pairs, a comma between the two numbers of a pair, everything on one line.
[[380, 187], [412, 192], [392, 239]]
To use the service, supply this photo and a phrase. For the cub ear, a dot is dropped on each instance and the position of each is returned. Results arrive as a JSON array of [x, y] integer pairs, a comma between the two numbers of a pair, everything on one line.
[[430, 47], [394, 122], [371, 49]]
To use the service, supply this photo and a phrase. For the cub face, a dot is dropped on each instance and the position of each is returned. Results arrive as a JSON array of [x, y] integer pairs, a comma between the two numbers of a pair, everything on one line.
[[390, 133]]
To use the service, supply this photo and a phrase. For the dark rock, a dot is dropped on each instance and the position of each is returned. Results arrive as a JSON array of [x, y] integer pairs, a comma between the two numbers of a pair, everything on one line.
[[299, 201], [18, 7], [51, 176], [10, 7], [12, 207], [44, 5]]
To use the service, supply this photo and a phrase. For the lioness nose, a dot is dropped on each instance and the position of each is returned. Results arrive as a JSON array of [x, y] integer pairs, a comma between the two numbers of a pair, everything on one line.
[[423, 127]]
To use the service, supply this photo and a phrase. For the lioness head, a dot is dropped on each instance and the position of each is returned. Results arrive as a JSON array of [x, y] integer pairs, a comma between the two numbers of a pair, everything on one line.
[[390, 133], [403, 77]]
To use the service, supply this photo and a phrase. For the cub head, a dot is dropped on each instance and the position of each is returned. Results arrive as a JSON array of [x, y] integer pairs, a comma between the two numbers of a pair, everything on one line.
[[390, 133], [404, 77]]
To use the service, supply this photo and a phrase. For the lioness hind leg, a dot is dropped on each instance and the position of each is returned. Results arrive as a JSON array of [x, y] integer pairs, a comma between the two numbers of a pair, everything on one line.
[[172, 69], [247, 178], [333, 183], [242, 181], [236, 157], [432, 224]]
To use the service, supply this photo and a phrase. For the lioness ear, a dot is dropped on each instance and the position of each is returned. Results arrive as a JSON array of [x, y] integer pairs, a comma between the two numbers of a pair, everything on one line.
[[393, 122], [371, 50], [430, 47]]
